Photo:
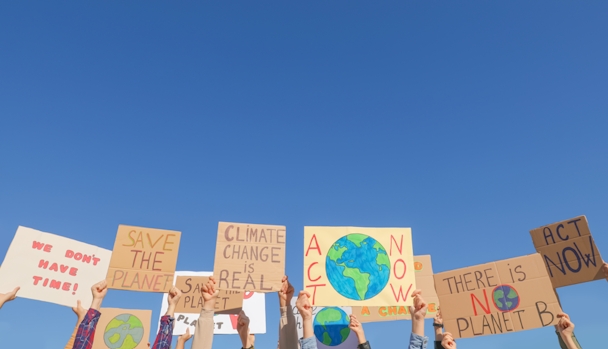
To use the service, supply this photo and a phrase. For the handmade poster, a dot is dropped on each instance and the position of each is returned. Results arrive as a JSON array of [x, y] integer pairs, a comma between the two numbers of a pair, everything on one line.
[[228, 302], [254, 305], [52, 268], [249, 257], [122, 328], [569, 252], [349, 266], [424, 282], [500, 297], [330, 325], [143, 259]]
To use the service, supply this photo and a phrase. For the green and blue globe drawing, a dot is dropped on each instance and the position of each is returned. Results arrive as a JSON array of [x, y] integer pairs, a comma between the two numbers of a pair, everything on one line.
[[331, 326], [505, 298], [125, 331], [357, 266]]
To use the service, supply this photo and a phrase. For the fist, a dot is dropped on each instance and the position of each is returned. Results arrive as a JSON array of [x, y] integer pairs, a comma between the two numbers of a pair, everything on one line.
[[209, 291], [448, 342], [565, 326], [438, 319], [242, 322], [303, 305], [418, 311], [286, 292], [99, 290], [174, 296], [355, 325]]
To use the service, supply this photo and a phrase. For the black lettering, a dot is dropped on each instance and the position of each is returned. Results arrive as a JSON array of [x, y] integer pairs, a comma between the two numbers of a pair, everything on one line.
[[578, 259], [485, 271], [575, 221], [223, 278], [478, 276], [546, 236], [188, 281], [273, 254], [226, 235], [235, 278], [544, 312], [557, 229], [460, 329], [467, 282], [548, 260], [521, 323], [519, 271]]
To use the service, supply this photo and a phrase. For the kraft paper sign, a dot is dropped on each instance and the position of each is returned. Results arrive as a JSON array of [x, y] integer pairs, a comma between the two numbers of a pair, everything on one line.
[[424, 282], [349, 266], [500, 297], [330, 325], [249, 257], [254, 304], [569, 252], [122, 328], [143, 259], [228, 302], [52, 268]]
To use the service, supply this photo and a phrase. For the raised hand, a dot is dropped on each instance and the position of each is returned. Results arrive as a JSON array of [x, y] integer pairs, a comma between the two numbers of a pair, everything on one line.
[[209, 293], [605, 269], [174, 295], [9, 296], [356, 327], [99, 291], [565, 326], [448, 342], [418, 311], [303, 305], [286, 292], [79, 311], [186, 336], [438, 319], [242, 327]]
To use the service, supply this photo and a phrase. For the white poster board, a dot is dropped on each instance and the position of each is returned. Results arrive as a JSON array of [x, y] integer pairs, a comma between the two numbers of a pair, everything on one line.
[[52, 268], [254, 305]]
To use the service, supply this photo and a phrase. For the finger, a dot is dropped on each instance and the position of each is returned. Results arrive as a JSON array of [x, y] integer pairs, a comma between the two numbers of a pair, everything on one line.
[[212, 280], [416, 293]]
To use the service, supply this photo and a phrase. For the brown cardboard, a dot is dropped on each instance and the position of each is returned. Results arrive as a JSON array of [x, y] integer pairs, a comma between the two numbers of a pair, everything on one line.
[[119, 325], [423, 268], [568, 251], [143, 259], [468, 307], [228, 302], [249, 257]]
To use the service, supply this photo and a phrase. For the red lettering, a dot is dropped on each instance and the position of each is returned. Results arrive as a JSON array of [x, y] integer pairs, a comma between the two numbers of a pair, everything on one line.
[[309, 267], [314, 293], [63, 268], [55, 284], [66, 286], [73, 271], [314, 237], [400, 293], [40, 246], [233, 320], [43, 264], [486, 309], [395, 269], [36, 279], [399, 246]]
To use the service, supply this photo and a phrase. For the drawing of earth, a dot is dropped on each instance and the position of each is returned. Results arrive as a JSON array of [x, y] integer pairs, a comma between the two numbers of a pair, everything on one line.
[[505, 298], [331, 326], [357, 266], [125, 331]]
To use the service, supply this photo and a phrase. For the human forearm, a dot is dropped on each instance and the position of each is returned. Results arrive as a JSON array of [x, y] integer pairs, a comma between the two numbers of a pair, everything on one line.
[[569, 342], [438, 333], [418, 326], [288, 332], [203, 336], [165, 333]]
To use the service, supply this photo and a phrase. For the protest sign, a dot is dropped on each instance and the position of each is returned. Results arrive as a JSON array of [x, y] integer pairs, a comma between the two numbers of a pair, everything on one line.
[[505, 296], [143, 259], [249, 257], [330, 325], [228, 302], [568, 251], [122, 328], [254, 305], [424, 282], [349, 266], [52, 268]]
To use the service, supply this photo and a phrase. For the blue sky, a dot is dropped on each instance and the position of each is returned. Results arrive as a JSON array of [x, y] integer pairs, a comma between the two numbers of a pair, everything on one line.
[[471, 122]]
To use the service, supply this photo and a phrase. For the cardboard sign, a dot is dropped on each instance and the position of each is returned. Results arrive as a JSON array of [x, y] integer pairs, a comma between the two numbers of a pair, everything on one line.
[[349, 266], [228, 302], [249, 257], [424, 282], [254, 305], [143, 259], [568, 251], [330, 325], [52, 268], [122, 328], [506, 296]]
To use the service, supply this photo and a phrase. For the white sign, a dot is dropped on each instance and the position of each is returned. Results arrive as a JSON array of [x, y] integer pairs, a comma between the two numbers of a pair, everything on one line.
[[330, 325], [254, 305], [52, 268]]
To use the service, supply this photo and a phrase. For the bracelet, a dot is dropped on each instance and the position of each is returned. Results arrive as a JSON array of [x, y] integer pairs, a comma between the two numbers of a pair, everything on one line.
[[437, 325]]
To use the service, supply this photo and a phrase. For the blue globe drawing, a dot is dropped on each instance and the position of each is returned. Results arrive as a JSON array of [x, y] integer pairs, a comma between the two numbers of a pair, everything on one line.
[[505, 298], [331, 326], [357, 266]]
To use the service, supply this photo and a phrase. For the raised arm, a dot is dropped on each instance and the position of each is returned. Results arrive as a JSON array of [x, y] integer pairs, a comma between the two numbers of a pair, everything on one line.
[[9, 296], [418, 312], [80, 314], [242, 327], [565, 327], [448, 342], [203, 338], [309, 341], [86, 330], [165, 332], [605, 269], [288, 330], [438, 326], [356, 327]]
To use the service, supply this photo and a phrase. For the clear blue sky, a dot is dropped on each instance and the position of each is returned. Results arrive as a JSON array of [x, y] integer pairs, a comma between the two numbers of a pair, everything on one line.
[[471, 122]]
